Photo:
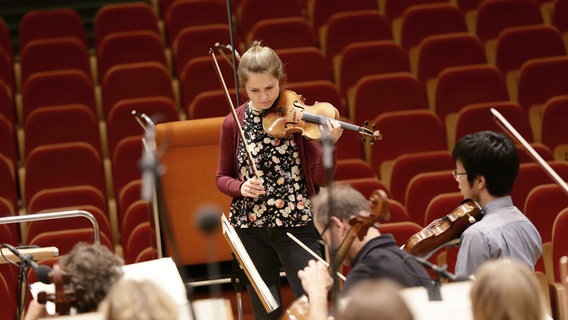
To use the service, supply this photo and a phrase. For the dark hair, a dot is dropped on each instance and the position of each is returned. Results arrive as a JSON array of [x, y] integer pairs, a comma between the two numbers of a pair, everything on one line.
[[93, 268], [491, 155], [346, 202]]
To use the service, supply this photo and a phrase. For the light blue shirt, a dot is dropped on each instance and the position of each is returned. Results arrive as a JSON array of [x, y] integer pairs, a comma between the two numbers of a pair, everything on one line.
[[503, 232]]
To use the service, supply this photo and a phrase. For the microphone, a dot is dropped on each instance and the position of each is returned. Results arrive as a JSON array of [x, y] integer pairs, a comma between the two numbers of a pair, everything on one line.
[[41, 271], [440, 271]]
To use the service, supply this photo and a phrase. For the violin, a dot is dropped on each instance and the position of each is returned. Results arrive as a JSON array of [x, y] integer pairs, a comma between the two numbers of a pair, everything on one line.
[[359, 227], [445, 230], [279, 121], [61, 298]]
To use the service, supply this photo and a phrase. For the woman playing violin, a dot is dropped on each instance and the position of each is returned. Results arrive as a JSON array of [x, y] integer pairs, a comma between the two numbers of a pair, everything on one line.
[[275, 198], [375, 256]]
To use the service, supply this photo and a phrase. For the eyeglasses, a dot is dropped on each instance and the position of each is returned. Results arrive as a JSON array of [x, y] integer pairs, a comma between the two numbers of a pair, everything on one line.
[[324, 229], [457, 174]]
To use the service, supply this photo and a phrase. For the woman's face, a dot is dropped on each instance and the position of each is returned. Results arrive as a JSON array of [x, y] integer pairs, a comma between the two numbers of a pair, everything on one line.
[[262, 90]]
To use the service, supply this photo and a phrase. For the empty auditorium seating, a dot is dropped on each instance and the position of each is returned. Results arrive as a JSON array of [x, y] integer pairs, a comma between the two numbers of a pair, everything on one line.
[[440, 51], [57, 87], [559, 11], [542, 78], [119, 17], [65, 240], [366, 186], [68, 196], [376, 94], [559, 248], [135, 80], [393, 9], [552, 131], [6, 39], [365, 58], [394, 125], [419, 21], [12, 231], [281, 33], [516, 45], [459, 86], [125, 163], [492, 17], [320, 11], [401, 231], [542, 205], [8, 147], [52, 23], [408, 165], [63, 164], [186, 13], [423, 187], [531, 175], [7, 70], [54, 54], [7, 106], [9, 185], [350, 145], [139, 239], [63, 123], [353, 169], [251, 12], [136, 214], [476, 117], [305, 64], [196, 41], [130, 193], [350, 27], [128, 47], [210, 104]]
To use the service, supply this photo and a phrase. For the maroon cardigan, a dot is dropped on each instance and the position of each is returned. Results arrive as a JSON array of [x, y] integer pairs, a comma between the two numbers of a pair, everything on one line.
[[227, 178]]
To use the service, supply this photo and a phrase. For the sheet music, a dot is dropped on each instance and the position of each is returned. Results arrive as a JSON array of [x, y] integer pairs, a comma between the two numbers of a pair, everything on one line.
[[455, 303], [239, 250]]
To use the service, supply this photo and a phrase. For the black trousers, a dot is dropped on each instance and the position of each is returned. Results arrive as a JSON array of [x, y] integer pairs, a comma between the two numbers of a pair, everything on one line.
[[270, 248]]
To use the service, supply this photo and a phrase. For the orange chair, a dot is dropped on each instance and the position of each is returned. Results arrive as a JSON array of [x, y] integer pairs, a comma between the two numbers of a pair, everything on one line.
[[353, 169], [65, 240], [395, 124], [282, 33], [408, 165], [128, 47], [541, 79], [8, 146], [494, 16], [442, 205], [401, 231], [35, 228], [125, 162], [476, 117], [542, 205], [376, 94], [516, 45], [201, 12], [305, 64], [423, 188], [349, 27], [63, 164], [459, 86], [188, 174], [52, 23], [121, 123], [531, 175], [440, 51], [195, 41], [9, 185], [210, 104], [7, 106], [54, 54], [559, 248], [319, 91], [554, 117], [135, 80], [419, 21], [366, 58], [57, 87], [120, 17], [198, 75], [7, 70], [64, 123], [320, 11], [250, 12]]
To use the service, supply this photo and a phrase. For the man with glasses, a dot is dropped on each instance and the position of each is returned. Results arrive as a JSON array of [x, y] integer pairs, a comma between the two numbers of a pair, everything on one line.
[[376, 256], [487, 164]]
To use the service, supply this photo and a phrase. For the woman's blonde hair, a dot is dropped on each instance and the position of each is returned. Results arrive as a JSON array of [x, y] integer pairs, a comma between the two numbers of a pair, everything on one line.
[[132, 299], [506, 290], [260, 59]]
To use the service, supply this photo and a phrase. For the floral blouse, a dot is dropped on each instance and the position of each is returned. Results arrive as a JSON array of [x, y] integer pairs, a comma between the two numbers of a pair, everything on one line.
[[286, 202]]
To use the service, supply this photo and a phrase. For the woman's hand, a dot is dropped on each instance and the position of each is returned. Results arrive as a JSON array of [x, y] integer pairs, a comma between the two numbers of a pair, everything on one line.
[[335, 130], [252, 188]]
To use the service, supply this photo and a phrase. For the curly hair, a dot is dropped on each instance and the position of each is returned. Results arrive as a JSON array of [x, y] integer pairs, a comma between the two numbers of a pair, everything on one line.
[[93, 269]]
